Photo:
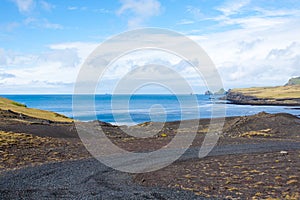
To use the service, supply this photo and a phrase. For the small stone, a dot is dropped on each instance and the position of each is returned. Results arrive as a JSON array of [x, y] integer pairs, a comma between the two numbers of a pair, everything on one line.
[[284, 153]]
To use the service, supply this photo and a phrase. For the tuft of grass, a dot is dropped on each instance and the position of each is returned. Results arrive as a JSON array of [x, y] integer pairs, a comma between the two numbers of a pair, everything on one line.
[[292, 182], [18, 104], [231, 189], [260, 133], [6, 104], [9, 138]]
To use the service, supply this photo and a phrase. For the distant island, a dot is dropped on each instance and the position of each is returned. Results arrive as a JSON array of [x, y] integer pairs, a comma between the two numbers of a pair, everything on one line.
[[287, 95], [220, 92]]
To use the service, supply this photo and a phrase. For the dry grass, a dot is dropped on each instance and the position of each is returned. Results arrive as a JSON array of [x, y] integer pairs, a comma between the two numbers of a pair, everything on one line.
[[6, 104], [280, 92], [9, 138], [19, 150], [260, 133]]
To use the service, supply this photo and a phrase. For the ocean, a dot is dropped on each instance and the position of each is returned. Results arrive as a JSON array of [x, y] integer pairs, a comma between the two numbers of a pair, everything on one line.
[[134, 109]]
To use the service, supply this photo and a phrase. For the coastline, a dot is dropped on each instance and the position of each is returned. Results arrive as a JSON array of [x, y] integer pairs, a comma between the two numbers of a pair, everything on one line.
[[273, 96], [63, 105], [246, 162], [241, 99]]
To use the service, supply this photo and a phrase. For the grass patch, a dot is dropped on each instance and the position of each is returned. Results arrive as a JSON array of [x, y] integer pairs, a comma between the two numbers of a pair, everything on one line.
[[260, 133], [292, 182], [18, 104], [6, 104], [280, 92], [9, 138]]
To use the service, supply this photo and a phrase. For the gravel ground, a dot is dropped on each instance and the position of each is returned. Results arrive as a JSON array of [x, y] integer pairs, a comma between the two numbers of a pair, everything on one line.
[[89, 179], [83, 179]]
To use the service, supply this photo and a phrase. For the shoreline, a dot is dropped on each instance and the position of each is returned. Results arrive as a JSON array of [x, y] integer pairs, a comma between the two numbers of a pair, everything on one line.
[[252, 101], [262, 103], [205, 112], [271, 96]]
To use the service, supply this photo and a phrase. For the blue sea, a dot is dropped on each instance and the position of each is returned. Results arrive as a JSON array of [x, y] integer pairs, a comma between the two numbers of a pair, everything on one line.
[[136, 109]]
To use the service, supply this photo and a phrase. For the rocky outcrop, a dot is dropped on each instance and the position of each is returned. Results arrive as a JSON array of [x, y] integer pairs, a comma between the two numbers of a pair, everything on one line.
[[208, 93], [221, 92], [294, 81], [240, 98]]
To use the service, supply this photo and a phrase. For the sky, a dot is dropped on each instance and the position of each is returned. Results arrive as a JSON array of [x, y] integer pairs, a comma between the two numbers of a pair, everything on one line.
[[44, 43]]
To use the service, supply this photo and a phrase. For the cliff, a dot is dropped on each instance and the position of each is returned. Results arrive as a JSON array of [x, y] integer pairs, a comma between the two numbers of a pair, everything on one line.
[[281, 95], [293, 81]]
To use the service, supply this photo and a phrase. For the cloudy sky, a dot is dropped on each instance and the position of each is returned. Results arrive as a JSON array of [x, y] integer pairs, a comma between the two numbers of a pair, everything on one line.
[[43, 43]]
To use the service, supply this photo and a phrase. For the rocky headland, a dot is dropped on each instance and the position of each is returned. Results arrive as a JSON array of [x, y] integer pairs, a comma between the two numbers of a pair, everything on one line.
[[287, 95]]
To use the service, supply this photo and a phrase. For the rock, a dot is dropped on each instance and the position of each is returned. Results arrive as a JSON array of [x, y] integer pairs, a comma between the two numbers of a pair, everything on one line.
[[293, 81], [284, 153], [208, 93], [221, 92], [46, 122], [240, 98]]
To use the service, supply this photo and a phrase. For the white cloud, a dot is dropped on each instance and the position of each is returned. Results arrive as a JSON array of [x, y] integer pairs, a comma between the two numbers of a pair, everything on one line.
[[83, 49], [196, 12], [4, 75], [254, 22], [260, 46], [256, 56], [66, 57], [32, 20], [82, 8], [46, 6], [139, 11], [185, 22], [250, 16], [150, 65], [2, 57], [9, 26], [289, 52], [41, 23], [72, 7], [102, 11], [233, 7], [54, 70], [50, 25], [51, 71], [24, 5]]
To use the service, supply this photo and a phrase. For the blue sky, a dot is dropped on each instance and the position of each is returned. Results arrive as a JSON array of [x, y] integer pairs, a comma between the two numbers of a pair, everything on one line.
[[43, 43]]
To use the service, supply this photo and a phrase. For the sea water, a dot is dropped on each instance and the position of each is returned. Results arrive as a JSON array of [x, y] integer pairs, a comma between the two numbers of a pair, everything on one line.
[[134, 109]]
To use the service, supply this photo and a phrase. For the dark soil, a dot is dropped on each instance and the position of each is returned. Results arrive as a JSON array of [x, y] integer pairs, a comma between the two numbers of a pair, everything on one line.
[[244, 176]]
